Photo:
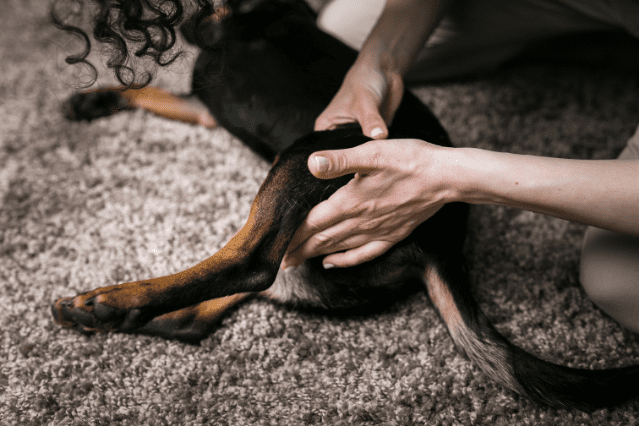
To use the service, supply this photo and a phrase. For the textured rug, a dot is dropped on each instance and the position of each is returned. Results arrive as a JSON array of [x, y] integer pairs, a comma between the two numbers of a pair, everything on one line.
[[135, 196]]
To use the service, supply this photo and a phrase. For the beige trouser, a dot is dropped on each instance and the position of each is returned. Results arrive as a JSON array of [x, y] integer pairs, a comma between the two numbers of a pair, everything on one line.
[[479, 36]]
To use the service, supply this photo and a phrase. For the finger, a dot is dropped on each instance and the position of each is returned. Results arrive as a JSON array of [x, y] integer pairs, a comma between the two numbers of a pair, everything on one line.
[[335, 114], [362, 159], [393, 99], [300, 253], [375, 128], [368, 115], [327, 121], [357, 255], [321, 217], [323, 121], [335, 238]]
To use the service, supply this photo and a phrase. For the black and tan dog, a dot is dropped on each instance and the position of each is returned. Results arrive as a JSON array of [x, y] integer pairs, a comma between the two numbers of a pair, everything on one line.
[[278, 73]]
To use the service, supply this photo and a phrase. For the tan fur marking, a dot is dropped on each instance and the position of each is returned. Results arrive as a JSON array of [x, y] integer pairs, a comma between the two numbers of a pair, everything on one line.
[[168, 105], [163, 103], [141, 293], [208, 311], [441, 297], [487, 353], [220, 13]]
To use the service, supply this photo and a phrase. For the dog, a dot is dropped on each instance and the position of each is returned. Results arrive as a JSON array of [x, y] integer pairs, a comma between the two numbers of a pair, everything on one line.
[[277, 73]]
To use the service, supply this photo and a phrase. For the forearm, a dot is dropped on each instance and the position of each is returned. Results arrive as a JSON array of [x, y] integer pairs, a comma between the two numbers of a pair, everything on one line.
[[400, 33], [601, 193]]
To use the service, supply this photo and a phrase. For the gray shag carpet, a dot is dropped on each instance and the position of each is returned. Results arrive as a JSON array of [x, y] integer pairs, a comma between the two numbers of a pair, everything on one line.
[[135, 196]]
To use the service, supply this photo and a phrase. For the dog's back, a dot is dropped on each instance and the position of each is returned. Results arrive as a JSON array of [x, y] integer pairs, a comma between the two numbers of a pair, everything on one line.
[[276, 72]]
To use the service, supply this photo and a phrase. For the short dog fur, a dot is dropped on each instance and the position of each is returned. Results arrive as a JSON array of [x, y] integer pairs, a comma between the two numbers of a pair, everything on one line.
[[277, 74]]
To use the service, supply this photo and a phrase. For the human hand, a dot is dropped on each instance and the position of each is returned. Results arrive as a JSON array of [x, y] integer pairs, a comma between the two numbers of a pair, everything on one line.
[[398, 184], [368, 96]]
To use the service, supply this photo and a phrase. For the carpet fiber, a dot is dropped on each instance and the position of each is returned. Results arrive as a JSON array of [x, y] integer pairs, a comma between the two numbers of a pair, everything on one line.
[[135, 196]]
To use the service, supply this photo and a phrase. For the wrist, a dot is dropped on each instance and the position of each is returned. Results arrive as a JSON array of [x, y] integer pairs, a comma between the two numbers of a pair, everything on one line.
[[367, 76], [367, 64], [488, 177], [470, 175], [440, 168]]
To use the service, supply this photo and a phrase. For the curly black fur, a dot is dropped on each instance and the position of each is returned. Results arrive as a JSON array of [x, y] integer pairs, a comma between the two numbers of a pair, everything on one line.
[[130, 28]]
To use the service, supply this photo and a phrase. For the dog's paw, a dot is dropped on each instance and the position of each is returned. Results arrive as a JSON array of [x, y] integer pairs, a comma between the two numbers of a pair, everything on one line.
[[93, 104], [98, 311]]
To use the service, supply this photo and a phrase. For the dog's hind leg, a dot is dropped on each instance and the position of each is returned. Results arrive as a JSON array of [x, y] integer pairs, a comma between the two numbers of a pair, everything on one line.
[[194, 323], [248, 263], [91, 104]]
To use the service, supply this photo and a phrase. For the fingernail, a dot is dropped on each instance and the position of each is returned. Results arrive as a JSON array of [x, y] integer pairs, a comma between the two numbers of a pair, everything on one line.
[[329, 266], [376, 132], [322, 163]]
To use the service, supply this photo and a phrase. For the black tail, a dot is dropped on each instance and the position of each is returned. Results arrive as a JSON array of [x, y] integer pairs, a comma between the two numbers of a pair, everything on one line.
[[512, 367]]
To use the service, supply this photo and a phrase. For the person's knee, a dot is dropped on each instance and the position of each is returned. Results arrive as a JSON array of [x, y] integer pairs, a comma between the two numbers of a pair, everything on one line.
[[609, 274], [600, 287]]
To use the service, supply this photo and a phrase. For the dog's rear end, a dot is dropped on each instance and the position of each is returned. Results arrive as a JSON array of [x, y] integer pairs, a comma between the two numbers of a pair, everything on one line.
[[278, 73]]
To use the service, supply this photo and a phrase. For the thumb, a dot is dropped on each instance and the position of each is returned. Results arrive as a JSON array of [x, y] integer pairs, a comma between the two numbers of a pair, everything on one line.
[[362, 159], [371, 122], [374, 126]]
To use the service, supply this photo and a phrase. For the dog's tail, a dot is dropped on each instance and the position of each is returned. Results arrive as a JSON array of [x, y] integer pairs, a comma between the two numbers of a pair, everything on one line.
[[539, 380]]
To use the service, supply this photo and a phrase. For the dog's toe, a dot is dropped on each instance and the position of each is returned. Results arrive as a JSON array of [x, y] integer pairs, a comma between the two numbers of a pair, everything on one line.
[[87, 315], [61, 311], [84, 318], [107, 314], [135, 318]]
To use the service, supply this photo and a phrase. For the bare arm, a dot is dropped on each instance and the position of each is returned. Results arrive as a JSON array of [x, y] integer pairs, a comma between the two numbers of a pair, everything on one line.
[[401, 183], [400, 33], [601, 193], [372, 89]]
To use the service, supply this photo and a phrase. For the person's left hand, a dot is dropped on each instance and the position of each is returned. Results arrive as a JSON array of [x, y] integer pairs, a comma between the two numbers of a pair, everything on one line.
[[398, 184]]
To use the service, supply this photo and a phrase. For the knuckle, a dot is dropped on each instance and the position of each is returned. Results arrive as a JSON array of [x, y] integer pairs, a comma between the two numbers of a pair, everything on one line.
[[373, 118], [341, 161], [315, 245], [371, 154], [377, 158], [311, 227], [352, 208], [321, 123], [369, 226], [369, 208], [322, 238], [377, 161]]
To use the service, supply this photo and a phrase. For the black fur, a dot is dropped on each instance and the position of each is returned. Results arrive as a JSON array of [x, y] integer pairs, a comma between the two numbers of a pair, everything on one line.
[[277, 73]]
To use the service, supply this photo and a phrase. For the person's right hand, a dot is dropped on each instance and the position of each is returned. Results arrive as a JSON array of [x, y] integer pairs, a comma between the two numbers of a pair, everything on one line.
[[367, 96]]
